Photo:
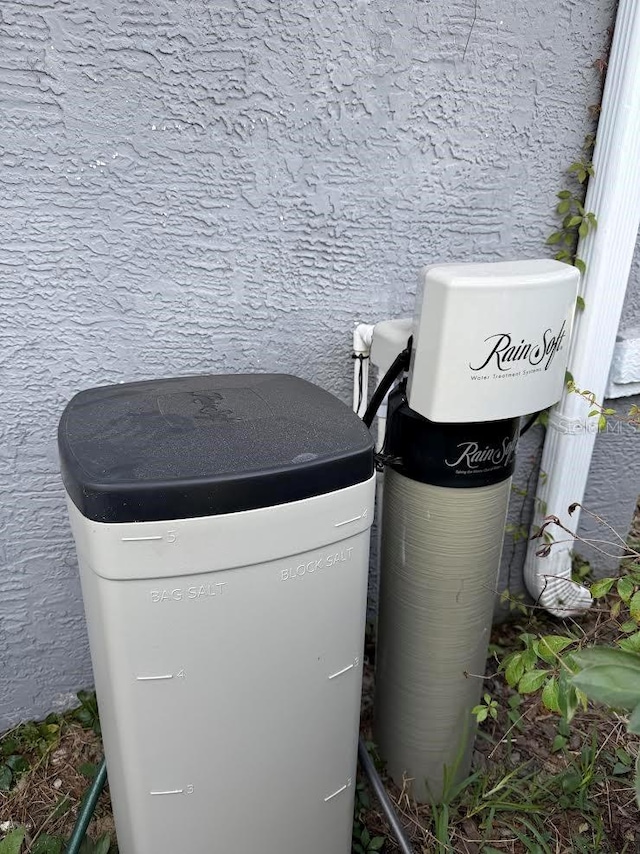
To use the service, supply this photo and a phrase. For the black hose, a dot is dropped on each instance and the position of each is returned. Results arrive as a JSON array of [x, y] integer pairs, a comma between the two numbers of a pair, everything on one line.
[[399, 364], [383, 798], [531, 420]]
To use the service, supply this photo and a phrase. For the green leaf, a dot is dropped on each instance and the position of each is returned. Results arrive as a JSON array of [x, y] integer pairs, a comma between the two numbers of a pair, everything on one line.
[[46, 844], [12, 843], [619, 768], [103, 844], [573, 221], [631, 644], [628, 627], [582, 699], [514, 670], [579, 263], [602, 423], [554, 238], [580, 303], [376, 843], [624, 757], [614, 685], [62, 807], [550, 645], [6, 778], [9, 746], [88, 769], [634, 606], [17, 763], [564, 207], [529, 658], [601, 587], [550, 695], [605, 656], [567, 701], [559, 742], [570, 664], [564, 194], [625, 588], [636, 782], [583, 230], [532, 681], [633, 724]]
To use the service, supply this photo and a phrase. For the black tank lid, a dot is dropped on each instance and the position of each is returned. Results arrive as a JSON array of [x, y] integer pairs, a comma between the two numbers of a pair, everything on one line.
[[204, 445]]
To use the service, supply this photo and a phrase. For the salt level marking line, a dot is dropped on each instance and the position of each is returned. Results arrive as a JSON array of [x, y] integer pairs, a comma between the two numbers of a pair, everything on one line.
[[169, 792], [340, 790], [344, 670], [347, 521], [152, 678], [138, 539]]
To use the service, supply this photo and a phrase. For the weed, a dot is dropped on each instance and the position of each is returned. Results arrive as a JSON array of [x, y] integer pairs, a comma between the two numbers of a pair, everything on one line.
[[87, 713], [21, 745], [45, 844]]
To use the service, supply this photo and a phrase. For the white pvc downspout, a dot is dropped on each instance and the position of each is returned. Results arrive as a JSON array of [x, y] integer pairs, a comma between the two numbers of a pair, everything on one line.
[[614, 196]]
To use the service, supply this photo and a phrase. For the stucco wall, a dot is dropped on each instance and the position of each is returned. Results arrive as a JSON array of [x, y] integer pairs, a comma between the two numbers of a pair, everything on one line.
[[204, 186]]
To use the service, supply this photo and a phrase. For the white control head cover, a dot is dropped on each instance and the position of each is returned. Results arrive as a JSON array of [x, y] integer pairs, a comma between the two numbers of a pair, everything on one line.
[[491, 340]]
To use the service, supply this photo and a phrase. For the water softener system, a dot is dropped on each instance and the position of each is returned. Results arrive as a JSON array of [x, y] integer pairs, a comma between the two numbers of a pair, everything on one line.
[[222, 530], [490, 344]]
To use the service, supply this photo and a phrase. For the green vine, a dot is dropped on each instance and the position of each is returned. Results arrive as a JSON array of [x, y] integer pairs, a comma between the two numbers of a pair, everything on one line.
[[576, 222]]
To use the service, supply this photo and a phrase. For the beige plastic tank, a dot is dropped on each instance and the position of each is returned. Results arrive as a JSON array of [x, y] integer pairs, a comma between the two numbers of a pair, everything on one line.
[[222, 531]]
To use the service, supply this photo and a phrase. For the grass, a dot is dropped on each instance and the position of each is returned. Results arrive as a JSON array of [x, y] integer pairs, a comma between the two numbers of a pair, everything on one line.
[[55, 760], [535, 785]]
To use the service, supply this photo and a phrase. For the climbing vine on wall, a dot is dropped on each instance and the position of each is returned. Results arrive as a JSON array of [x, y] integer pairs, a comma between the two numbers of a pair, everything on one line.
[[575, 221]]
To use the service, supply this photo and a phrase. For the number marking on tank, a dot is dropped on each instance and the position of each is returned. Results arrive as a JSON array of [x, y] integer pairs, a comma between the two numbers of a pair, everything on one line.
[[338, 791], [363, 515], [139, 539], [348, 521], [344, 669], [188, 790], [154, 678]]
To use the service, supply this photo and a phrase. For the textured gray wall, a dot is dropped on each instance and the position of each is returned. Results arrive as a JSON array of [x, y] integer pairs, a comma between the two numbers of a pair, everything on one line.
[[223, 186], [631, 308]]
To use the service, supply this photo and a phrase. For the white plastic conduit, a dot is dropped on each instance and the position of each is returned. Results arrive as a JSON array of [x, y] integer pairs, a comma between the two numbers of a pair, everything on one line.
[[362, 337], [614, 196]]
